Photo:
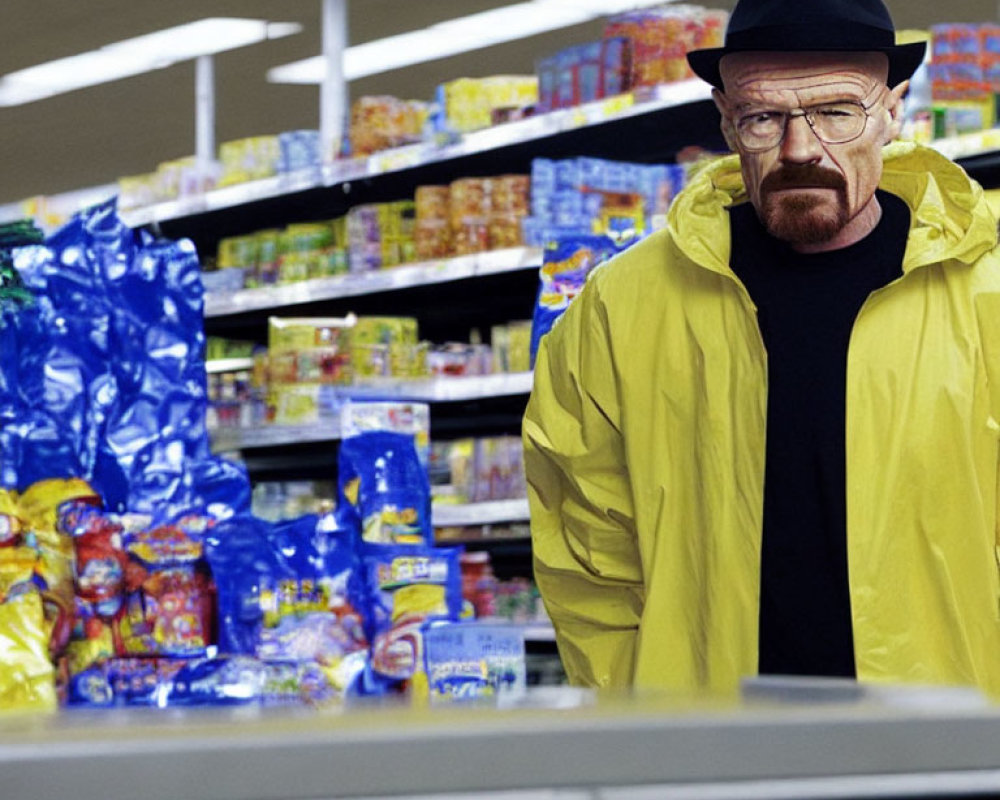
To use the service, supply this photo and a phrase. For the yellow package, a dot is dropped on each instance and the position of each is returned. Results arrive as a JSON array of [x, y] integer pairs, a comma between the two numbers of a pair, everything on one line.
[[305, 333], [27, 677]]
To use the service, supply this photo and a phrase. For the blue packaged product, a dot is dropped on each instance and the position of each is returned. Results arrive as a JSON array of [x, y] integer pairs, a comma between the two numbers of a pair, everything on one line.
[[616, 65], [243, 680], [546, 69], [543, 176], [589, 73], [568, 174], [291, 592], [383, 492], [567, 262], [474, 661], [299, 150], [111, 381], [408, 587]]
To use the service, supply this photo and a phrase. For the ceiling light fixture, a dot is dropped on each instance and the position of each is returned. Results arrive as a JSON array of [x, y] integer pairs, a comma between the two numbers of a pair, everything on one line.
[[459, 35], [138, 55]]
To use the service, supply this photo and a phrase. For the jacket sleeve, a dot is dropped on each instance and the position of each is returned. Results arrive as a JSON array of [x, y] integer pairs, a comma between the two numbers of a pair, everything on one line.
[[582, 522]]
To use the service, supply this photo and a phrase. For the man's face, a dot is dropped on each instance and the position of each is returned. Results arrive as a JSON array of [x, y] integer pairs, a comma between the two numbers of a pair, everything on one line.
[[808, 191]]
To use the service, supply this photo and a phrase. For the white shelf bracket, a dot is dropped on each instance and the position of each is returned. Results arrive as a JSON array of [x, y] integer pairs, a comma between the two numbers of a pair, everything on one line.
[[333, 89], [204, 119]]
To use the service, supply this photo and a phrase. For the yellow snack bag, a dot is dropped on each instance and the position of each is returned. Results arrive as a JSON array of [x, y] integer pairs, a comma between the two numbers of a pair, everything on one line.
[[27, 677]]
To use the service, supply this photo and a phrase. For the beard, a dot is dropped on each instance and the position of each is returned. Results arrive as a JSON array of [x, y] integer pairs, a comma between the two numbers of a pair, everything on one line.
[[803, 218]]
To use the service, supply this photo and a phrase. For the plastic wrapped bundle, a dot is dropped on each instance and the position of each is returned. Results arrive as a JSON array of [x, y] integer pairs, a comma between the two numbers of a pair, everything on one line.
[[111, 381]]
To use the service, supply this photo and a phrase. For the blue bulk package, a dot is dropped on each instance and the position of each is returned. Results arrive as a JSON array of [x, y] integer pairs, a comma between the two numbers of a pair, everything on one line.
[[409, 586], [383, 492], [242, 680], [291, 592], [110, 382], [566, 264]]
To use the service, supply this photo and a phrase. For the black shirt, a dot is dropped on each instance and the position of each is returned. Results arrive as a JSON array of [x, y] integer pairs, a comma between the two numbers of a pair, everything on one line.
[[807, 305]]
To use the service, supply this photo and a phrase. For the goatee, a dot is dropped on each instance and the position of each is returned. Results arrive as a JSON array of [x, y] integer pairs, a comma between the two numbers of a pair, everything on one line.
[[803, 218]]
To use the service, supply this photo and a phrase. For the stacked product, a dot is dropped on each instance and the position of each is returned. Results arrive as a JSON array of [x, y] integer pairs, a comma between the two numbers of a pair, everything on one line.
[[380, 235], [660, 38], [471, 104], [965, 77], [638, 49], [306, 359], [591, 195], [305, 374], [297, 252], [248, 159], [383, 122], [467, 216], [238, 161], [477, 470]]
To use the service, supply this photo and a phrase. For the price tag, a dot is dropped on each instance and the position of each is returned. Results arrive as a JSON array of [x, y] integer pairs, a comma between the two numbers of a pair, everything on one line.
[[612, 106]]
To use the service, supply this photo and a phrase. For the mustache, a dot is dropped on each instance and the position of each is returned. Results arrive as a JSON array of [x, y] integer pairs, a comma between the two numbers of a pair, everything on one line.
[[805, 176]]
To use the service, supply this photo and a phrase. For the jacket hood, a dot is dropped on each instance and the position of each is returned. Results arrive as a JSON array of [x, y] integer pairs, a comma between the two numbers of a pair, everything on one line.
[[950, 218]]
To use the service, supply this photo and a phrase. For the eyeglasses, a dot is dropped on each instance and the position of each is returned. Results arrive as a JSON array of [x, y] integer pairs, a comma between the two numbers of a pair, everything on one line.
[[833, 123]]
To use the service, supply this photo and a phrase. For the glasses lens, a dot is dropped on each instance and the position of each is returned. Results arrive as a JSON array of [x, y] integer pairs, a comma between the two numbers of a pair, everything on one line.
[[761, 129], [838, 122], [833, 123]]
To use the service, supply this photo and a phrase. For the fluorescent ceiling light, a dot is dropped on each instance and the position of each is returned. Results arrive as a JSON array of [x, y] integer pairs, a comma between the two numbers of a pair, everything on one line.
[[459, 35], [138, 55]]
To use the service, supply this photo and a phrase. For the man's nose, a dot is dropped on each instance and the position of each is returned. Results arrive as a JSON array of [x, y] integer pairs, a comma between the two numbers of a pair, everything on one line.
[[800, 145]]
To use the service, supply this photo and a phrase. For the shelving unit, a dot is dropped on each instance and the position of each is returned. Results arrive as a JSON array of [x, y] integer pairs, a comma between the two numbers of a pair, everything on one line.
[[485, 513], [219, 304]]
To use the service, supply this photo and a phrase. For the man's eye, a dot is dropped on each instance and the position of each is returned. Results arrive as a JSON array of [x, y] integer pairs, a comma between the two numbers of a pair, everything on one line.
[[761, 118], [835, 112]]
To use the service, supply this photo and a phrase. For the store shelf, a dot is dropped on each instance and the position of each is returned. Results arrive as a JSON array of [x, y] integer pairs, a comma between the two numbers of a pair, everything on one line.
[[493, 262], [403, 158], [217, 365], [429, 390], [558, 742], [486, 513], [539, 632], [226, 440], [443, 390]]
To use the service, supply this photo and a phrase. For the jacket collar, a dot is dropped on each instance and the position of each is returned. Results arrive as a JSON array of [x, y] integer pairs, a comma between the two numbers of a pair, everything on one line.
[[949, 216]]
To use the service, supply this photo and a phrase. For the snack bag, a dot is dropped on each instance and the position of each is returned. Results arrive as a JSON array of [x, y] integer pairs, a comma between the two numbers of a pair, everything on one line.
[[383, 489], [567, 262], [27, 677], [49, 509], [169, 597], [408, 586], [291, 592]]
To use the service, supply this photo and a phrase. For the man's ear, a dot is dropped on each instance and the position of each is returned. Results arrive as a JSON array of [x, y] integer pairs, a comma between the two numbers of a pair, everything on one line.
[[725, 123], [894, 105]]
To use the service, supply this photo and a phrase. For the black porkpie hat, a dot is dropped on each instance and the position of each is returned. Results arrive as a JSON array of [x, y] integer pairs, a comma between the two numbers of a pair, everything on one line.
[[809, 25]]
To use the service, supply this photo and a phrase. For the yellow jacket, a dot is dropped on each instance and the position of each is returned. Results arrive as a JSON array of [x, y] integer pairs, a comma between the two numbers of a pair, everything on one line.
[[644, 451]]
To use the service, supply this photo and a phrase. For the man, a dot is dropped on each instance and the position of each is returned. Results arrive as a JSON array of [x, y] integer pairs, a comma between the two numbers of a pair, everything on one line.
[[765, 439]]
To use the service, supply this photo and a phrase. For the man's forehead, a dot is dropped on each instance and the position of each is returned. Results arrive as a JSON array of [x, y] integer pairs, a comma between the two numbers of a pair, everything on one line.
[[761, 70]]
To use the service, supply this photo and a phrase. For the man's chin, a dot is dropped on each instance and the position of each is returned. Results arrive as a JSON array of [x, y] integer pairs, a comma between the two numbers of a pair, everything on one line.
[[802, 219]]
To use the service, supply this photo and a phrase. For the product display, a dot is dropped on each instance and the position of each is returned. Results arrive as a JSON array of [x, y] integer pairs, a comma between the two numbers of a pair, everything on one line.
[[378, 123], [964, 74], [134, 572], [470, 104], [475, 470], [306, 374]]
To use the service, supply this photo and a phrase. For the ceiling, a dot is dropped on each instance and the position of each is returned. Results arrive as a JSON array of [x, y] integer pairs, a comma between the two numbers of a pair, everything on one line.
[[91, 136]]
